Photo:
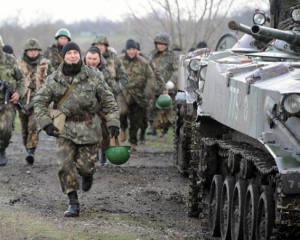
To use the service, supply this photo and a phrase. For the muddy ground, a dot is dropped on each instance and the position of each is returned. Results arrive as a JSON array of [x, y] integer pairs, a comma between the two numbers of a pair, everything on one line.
[[142, 199]]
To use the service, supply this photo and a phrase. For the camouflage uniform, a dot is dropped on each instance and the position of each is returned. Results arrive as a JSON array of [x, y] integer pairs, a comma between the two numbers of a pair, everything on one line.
[[167, 64], [140, 87], [77, 145], [36, 71], [11, 72]]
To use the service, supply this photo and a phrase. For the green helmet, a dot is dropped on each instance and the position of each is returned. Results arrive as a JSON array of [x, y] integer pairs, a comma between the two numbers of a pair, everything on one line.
[[162, 38], [118, 154], [32, 43], [63, 32], [101, 39], [164, 101]]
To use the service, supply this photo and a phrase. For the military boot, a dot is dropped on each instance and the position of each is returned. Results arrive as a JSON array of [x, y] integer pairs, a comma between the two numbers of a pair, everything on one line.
[[3, 158], [73, 210], [87, 183], [103, 160], [30, 156], [142, 139], [123, 135], [152, 130]]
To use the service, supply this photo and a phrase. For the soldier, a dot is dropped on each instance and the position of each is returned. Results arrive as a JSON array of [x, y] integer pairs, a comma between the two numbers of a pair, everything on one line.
[[114, 65], [160, 88], [140, 88], [94, 58], [166, 61], [36, 68], [10, 72], [80, 93], [53, 53], [201, 44]]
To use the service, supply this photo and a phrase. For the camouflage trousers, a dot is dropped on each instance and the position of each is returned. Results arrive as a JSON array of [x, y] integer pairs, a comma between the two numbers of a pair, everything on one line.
[[135, 115], [72, 159], [29, 129], [7, 114]]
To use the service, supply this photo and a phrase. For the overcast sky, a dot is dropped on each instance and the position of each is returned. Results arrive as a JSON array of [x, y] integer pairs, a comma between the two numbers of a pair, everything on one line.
[[30, 11], [69, 11]]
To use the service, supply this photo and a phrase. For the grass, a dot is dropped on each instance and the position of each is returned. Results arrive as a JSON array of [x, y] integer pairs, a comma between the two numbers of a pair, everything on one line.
[[19, 224]]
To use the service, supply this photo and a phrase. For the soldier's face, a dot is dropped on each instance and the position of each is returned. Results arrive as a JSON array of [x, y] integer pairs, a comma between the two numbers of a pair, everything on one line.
[[62, 40], [72, 57], [161, 47], [32, 53], [92, 59], [102, 47], [131, 52]]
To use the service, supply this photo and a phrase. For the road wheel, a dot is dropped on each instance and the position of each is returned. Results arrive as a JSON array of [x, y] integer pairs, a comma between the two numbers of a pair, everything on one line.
[[225, 207], [237, 210], [265, 214], [214, 205], [250, 211]]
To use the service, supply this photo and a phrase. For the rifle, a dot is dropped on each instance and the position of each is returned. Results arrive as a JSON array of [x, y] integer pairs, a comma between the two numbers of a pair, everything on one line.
[[4, 85]]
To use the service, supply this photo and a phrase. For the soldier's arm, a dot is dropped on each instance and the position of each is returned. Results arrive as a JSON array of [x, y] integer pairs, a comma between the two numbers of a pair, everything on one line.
[[19, 77], [41, 101], [174, 76], [122, 76], [108, 104], [151, 82], [160, 83]]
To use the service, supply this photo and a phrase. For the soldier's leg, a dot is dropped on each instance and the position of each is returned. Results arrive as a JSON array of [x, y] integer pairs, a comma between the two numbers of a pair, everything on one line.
[[67, 174], [24, 119], [6, 118], [86, 157], [153, 111], [124, 126], [144, 126], [135, 121], [104, 144], [32, 138]]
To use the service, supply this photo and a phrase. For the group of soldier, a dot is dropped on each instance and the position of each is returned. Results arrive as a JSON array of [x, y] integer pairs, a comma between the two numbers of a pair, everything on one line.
[[100, 94]]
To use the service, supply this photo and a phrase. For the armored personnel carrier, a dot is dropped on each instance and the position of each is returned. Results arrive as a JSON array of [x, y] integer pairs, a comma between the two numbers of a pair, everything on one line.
[[243, 154], [189, 92]]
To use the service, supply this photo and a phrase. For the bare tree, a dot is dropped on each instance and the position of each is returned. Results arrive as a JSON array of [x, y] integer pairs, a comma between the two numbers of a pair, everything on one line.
[[186, 21]]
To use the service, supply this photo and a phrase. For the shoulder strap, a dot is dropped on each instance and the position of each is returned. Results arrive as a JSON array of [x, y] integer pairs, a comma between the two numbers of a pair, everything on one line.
[[70, 89]]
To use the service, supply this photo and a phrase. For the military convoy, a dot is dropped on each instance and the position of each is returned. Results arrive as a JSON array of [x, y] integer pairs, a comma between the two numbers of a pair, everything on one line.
[[237, 135]]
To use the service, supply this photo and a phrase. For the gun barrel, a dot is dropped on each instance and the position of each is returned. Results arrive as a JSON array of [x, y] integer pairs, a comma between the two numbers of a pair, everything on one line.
[[290, 37], [233, 25]]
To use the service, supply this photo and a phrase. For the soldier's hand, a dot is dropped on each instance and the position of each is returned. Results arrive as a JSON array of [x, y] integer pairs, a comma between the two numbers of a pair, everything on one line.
[[51, 130], [14, 98], [114, 131], [170, 85]]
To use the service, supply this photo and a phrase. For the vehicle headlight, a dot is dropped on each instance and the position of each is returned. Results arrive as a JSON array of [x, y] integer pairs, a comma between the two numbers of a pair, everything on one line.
[[259, 18], [195, 65], [202, 72], [295, 13], [291, 103]]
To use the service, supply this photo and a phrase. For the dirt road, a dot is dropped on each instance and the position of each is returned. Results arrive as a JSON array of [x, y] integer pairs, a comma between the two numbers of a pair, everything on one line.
[[142, 199]]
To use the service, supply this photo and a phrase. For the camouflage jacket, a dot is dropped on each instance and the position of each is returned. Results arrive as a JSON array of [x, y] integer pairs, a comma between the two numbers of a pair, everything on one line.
[[167, 64], [141, 80], [35, 73], [90, 95], [107, 75], [116, 67], [11, 72], [54, 55], [160, 84]]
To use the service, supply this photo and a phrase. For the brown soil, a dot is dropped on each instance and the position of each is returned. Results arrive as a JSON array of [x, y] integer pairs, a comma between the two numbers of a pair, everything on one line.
[[143, 199]]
